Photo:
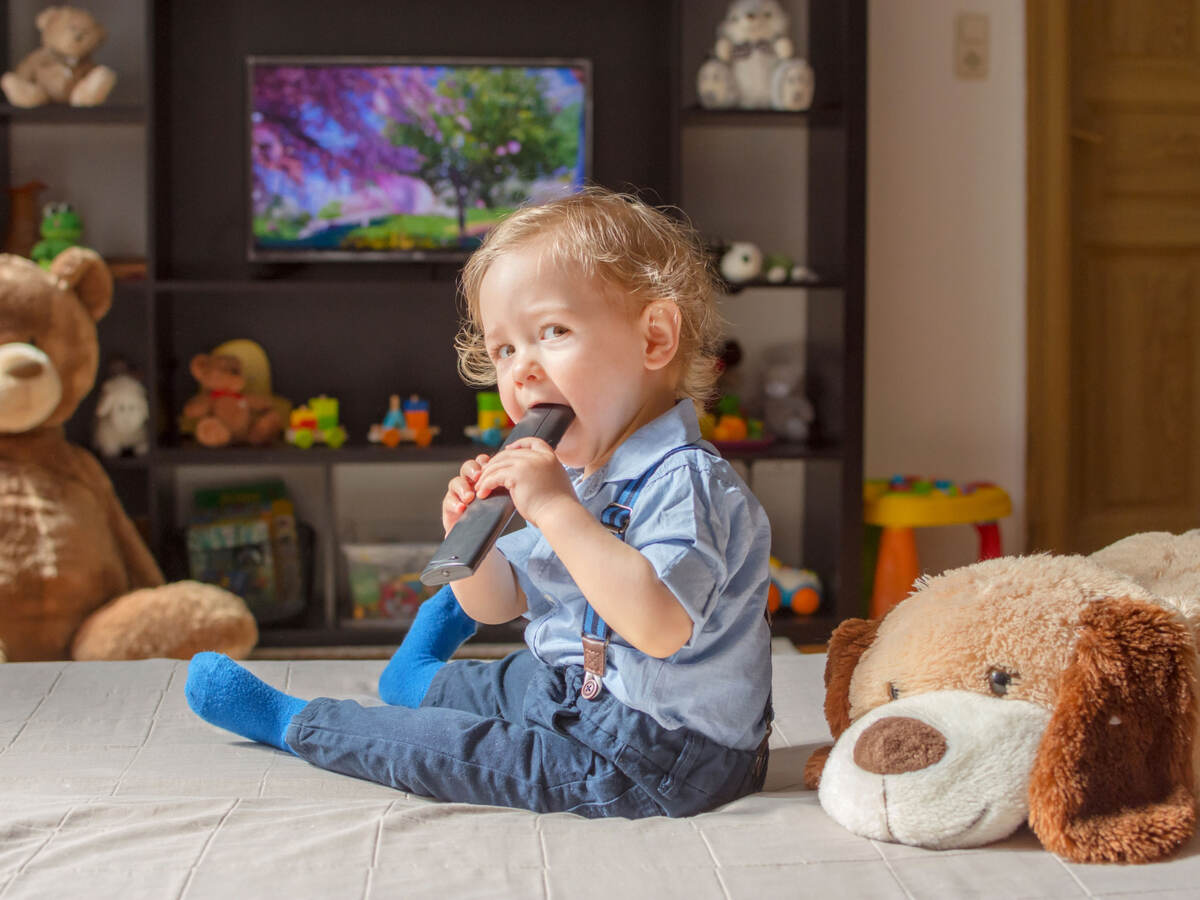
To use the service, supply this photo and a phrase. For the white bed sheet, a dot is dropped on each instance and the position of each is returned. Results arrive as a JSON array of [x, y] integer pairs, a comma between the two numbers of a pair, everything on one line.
[[109, 786]]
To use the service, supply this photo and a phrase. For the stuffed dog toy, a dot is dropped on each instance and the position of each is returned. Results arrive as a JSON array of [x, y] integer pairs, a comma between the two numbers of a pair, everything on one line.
[[1058, 690]]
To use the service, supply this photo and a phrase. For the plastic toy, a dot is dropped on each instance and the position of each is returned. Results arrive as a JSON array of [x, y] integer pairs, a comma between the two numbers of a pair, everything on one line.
[[492, 424], [902, 503], [316, 423], [777, 267], [796, 589], [61, 228], [728, 423], [404, 422]]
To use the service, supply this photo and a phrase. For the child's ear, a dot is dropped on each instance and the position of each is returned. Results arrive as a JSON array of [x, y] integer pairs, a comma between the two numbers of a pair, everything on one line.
[[660, 333]]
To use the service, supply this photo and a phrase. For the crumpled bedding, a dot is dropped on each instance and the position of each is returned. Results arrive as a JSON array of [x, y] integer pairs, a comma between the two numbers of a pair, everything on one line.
[[110, 786]]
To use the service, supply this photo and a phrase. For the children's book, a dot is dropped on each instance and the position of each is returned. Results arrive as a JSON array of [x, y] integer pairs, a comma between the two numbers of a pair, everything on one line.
[[244, 538]]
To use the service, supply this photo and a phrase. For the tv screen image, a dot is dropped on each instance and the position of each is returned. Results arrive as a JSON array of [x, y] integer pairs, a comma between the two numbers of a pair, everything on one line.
[[403, 158]]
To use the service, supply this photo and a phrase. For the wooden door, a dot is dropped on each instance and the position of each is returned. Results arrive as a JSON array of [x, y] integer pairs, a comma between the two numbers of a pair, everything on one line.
[[1114, 276]]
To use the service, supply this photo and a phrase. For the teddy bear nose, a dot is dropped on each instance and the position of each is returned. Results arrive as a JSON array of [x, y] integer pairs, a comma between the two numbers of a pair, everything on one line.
[[897, 744], [30, 369]]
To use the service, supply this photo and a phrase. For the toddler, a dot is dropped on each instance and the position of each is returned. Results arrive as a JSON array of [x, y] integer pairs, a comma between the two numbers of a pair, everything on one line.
[[642, 568]]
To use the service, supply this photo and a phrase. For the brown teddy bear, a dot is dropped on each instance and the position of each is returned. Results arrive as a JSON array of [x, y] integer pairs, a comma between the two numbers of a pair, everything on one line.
[[76, 580], [1058, 690], [223, 413], [61, 69]]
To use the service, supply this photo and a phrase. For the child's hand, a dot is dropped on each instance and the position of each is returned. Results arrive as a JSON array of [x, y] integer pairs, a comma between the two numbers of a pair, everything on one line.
[[531, 473], [461, 491]]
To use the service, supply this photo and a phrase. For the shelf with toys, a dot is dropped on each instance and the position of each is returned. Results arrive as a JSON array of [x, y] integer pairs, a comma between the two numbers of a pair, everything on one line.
[[361, 331], [771, 159]]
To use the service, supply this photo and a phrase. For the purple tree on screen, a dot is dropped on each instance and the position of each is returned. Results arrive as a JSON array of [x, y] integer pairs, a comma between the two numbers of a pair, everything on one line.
[[295, 104]]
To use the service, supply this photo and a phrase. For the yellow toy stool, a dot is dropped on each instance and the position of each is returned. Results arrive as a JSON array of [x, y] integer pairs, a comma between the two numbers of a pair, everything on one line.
[[900, 504]]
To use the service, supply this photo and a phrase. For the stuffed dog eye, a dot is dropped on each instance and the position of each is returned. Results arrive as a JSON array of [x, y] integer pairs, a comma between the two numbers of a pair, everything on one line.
[[893, 691], [999, 680]]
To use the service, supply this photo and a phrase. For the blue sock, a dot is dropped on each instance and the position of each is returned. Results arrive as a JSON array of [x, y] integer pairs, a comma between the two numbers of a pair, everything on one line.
[[221, 692], [438, 630]]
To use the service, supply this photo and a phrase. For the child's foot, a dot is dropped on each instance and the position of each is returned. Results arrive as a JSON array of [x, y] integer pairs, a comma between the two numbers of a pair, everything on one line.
[[439, 629], [221, 692]]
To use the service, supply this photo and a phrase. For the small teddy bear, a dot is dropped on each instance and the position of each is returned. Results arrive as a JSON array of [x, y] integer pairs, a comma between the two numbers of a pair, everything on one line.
[[753, 65], [61, 69], [222, 413]]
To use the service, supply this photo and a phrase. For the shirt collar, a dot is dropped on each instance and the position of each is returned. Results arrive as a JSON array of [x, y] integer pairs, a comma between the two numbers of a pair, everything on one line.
[[674, 428]]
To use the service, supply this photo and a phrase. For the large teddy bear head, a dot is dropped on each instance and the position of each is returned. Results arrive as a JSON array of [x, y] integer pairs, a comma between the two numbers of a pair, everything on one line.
[[48, 346], [1058, 690]]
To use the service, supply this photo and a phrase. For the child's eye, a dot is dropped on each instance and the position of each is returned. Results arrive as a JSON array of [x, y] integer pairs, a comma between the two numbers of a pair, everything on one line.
[[553, 331], [503, 352]]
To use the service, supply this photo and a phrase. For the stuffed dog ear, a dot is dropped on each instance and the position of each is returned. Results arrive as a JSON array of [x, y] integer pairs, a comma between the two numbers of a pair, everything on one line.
[[847, 643], [1113, 778]]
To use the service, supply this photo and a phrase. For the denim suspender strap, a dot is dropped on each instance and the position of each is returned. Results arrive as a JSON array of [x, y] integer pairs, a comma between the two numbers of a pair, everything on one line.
[[596, 632]]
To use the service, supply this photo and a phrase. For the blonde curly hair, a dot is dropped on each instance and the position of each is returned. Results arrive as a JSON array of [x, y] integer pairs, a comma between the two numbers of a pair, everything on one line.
[[616, 237]]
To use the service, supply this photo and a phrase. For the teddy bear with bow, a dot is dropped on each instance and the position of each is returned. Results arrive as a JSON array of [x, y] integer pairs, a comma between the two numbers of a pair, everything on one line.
[[61, 70], [76, 579], [224, 412], [753, 66], [1057, 690]]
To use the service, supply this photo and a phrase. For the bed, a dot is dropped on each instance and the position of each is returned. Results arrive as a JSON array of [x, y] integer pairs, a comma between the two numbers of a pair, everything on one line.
[[109, 786]]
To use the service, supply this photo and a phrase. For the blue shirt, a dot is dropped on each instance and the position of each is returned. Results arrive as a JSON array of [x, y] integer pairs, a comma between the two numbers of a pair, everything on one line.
[[709, 540]]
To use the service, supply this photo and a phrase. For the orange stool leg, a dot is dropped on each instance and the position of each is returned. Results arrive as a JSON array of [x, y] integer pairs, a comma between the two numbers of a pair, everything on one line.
[[895, 569]]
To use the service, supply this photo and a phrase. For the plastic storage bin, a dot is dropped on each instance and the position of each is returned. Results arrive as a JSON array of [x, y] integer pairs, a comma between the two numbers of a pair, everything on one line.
[[385, 580]]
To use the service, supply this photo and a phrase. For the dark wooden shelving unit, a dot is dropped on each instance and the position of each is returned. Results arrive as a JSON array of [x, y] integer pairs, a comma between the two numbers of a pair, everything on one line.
[[363, 331]]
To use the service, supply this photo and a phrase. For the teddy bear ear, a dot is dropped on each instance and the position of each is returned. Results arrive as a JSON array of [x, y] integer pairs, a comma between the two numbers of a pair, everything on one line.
[[47, 16], [847, 643], [1113, 778], [82, 270]]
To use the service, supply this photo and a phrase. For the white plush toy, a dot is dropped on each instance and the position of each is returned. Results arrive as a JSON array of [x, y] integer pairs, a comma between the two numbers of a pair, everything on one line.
[[753, 66], [742, 262], [121, 417]]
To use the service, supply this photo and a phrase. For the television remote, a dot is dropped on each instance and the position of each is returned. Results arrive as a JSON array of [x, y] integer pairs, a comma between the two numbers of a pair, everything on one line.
[[484, 520]]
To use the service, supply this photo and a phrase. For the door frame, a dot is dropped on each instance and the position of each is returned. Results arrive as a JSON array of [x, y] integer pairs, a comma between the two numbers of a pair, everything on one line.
[[1048, 474]]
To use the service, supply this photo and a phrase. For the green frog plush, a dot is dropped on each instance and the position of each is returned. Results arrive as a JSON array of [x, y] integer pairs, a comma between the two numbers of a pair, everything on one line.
[[61, 228]]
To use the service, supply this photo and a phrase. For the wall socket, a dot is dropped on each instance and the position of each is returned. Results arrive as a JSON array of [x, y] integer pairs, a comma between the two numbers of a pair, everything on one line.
[[971, 46]]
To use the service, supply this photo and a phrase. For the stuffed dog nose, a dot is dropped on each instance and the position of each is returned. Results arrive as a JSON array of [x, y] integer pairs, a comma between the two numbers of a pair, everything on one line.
[[897, 744]]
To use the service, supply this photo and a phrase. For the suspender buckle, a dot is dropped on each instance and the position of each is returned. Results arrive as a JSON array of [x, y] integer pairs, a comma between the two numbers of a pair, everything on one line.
[[594, 650], [615, 518]]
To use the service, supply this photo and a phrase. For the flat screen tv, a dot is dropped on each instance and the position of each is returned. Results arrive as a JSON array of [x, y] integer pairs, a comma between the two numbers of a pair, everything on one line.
[[405, 158]]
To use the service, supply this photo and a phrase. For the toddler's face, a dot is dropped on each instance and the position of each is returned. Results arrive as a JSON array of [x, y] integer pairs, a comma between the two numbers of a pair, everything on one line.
[[558, 337]]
